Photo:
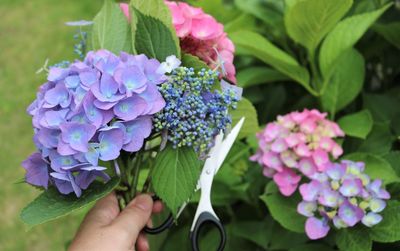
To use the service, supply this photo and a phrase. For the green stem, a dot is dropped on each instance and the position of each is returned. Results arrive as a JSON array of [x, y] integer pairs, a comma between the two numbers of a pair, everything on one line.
[[315, 78], [135, 173], [146, 185]]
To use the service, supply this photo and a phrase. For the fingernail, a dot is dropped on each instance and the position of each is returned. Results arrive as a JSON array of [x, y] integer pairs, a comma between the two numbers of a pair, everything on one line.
[[143, 201]]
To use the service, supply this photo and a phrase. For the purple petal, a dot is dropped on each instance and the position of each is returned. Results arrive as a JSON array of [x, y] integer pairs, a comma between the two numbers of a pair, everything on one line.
[[110, 144], [72, 82], [351, 187], [336, 171], [36, 170], [154, 99], [79, 95], [65, 149], [307, 208], [130, 108], [133, 80], [48, 137], [107, 90], [77, 135], [108, 65], [310, 191], [329, 198], [85, 178], [350, 214], [136, 132], [92, 156], [57, 73], [52, 119], [59, 95], [150, 70], [58, 161], [92, 113], [316, 228], [88, 78]]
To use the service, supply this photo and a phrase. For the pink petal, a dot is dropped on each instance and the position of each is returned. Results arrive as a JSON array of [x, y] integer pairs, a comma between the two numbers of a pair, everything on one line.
[[316, 228]]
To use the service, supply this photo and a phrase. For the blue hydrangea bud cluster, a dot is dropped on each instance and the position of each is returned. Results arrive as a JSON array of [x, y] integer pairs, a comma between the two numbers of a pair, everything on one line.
[[80, 46], [194, 113]]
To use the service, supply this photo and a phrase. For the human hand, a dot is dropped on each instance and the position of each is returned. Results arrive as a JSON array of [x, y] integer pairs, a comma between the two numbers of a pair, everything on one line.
[[106, 228]]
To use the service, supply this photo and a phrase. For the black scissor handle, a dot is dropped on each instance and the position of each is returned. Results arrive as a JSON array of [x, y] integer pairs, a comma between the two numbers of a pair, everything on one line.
[[207, 217], [161, 228]]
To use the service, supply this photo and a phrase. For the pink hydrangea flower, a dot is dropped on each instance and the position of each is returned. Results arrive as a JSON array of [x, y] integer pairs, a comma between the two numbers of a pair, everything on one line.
[[202, 36], [297, 143]]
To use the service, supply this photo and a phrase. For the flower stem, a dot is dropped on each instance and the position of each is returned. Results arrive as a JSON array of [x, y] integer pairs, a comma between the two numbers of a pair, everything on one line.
[[135, 173]]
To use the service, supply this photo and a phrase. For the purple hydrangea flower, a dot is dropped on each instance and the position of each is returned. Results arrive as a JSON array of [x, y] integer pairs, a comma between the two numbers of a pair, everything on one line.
[[89, 111], [342, 194]]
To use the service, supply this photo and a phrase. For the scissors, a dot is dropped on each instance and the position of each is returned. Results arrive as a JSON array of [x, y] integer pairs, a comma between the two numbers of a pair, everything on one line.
[[205, 213]]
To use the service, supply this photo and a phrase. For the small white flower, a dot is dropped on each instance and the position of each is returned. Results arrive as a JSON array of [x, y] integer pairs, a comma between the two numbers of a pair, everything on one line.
[[171, 63]]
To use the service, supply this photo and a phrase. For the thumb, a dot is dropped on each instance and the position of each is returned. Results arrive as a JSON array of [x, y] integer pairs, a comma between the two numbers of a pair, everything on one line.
[[135, 216]]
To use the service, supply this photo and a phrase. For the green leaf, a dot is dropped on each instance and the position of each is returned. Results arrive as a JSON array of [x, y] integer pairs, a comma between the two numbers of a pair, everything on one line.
[[312, 247], [394, 159], [175, 175], [264, 50], [307, 22], [153, 38], [269, 11], [247, 110], [344, 85], [390, 31], [354, 239], [357, 124], [284, 209], [218, 9], [344, 36], [158, 10], [51, 205], [389, 229], [376, 167], [110, 29], [242, 22], [258, 75], [282, 239], [258, 232], [379, 141], [383, 107], [193, 61]]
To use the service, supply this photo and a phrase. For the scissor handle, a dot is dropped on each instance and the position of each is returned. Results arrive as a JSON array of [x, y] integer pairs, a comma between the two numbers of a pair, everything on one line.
[[161, 228], [206, 217]]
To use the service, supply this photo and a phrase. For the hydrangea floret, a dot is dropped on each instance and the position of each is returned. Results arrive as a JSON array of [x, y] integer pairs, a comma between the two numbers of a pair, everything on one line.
[[342, 196], [89, 112], [299, 143], [194, 113], [202, 36]]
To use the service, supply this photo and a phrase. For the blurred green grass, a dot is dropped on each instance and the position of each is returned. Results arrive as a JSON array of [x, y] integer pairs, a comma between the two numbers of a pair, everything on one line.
[[30, 32]]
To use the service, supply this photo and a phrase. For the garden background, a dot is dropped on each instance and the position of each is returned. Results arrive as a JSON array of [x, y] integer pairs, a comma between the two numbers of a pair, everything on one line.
[[32, 31]]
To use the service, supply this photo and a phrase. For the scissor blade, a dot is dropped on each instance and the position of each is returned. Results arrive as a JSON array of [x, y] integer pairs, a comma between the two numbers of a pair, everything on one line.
[[226, 145]]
